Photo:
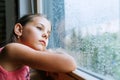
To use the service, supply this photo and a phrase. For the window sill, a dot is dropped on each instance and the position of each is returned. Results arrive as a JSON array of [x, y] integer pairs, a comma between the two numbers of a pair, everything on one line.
[[80, 74]]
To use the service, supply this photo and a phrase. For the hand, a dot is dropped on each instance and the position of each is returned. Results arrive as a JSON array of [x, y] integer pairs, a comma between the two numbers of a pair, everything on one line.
[[58, 50]]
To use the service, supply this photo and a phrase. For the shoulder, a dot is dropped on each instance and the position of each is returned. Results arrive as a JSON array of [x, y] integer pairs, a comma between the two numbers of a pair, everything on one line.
[[17, 49], [11, 45]]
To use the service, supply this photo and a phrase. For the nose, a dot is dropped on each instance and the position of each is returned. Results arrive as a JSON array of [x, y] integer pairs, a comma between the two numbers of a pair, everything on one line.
[[45, 35]]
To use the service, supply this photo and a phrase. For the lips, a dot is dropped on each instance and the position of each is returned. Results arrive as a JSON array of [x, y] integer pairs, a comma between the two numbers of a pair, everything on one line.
[[42, 42]]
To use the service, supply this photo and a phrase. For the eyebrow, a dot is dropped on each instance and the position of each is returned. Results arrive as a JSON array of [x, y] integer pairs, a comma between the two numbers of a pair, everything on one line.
[[44, 27], [41, 25]]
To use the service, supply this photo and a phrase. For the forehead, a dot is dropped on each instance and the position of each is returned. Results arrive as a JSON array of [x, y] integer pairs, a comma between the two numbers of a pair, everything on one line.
[[43, 21]]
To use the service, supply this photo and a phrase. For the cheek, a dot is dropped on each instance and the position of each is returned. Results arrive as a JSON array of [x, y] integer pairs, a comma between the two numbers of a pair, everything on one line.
[[30, 35], [36, 35]]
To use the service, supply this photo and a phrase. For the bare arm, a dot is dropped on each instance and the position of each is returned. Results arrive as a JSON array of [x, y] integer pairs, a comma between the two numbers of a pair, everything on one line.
[[43, 60]]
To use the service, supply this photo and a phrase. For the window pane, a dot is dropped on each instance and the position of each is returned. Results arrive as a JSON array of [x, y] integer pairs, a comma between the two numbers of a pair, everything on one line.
[[89, 30]]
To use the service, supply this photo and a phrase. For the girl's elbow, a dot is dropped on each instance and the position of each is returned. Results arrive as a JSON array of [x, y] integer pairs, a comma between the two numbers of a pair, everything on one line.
[[70, 66]]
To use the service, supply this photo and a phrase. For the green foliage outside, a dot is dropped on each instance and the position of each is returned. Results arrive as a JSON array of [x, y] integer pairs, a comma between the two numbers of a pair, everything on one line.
[[98, 53]]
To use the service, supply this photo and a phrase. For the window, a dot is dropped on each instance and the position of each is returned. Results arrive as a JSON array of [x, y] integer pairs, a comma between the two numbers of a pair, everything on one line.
[[89, 30]]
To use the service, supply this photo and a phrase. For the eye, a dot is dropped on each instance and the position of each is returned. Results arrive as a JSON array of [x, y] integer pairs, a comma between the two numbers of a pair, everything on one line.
[[39, 28]]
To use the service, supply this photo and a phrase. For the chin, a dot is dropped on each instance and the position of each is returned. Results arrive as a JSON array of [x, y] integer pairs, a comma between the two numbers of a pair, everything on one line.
[[40, 48]]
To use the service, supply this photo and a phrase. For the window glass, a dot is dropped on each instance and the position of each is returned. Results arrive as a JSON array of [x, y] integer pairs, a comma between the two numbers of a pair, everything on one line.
[[89, 30]]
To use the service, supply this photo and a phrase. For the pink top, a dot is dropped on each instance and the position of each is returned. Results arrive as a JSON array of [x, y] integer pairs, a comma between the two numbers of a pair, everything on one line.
[[20, 74]]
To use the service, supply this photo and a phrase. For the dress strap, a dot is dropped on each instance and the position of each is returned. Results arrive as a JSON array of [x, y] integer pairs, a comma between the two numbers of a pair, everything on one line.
[[1, 49]]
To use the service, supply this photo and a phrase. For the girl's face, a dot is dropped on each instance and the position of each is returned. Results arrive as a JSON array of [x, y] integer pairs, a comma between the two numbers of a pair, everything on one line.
[[36, 33]]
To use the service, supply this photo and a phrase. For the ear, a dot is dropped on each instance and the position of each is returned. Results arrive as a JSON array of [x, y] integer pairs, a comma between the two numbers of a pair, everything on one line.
[[18, 29]]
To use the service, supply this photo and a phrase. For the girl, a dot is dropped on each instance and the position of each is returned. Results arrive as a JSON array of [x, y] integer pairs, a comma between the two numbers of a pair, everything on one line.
[[27, 48]]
